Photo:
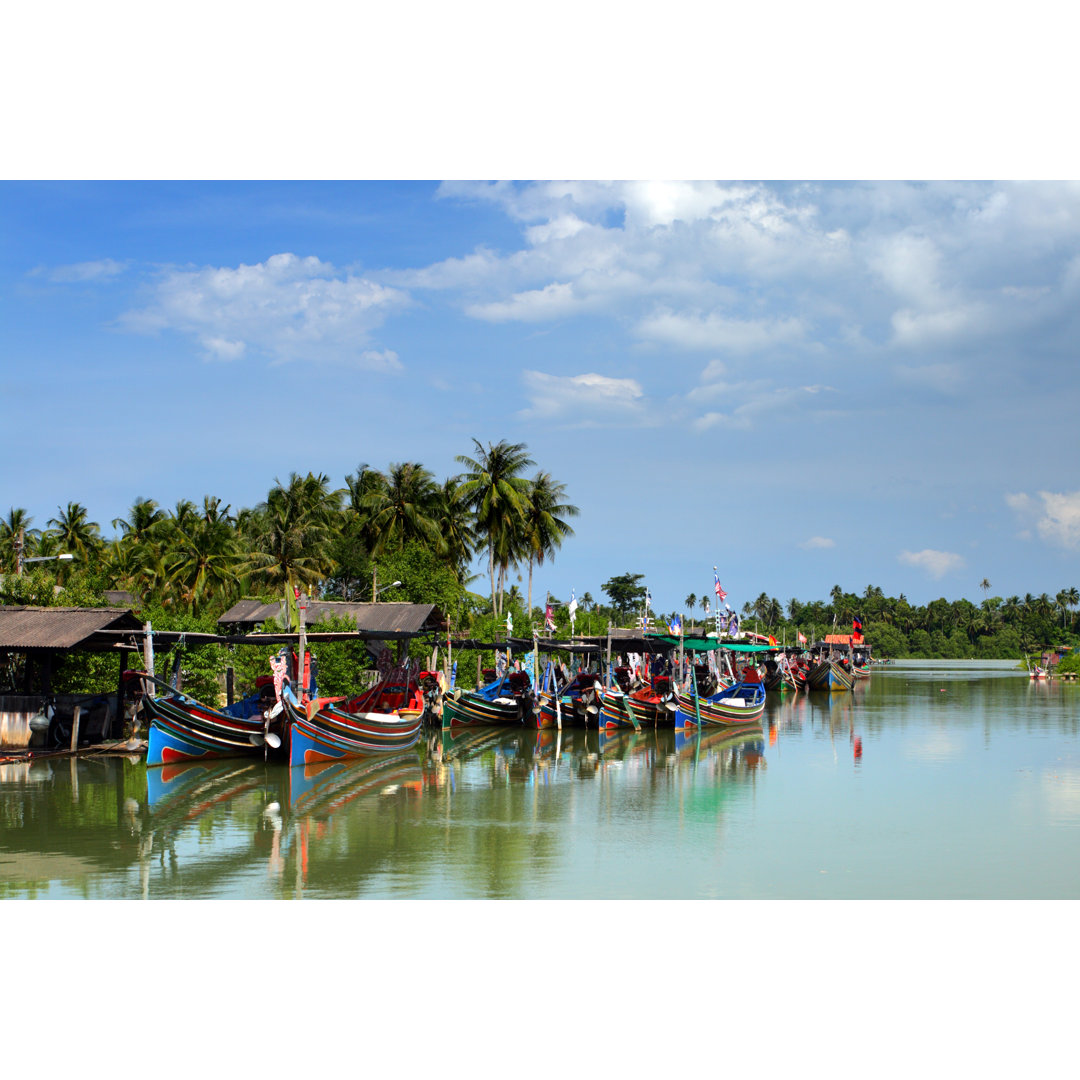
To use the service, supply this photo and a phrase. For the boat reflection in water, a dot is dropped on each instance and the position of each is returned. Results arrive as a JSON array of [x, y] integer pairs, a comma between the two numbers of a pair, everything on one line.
[[471, 813]]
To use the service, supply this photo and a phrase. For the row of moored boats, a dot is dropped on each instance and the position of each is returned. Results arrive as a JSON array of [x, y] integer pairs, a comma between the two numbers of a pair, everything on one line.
[[724, 685]]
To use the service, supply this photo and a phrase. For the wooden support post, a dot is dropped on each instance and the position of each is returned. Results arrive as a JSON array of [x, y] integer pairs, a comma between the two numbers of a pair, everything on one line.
[[148, 650], [75, 728], [229, 678], [301, 682], [117, 728]]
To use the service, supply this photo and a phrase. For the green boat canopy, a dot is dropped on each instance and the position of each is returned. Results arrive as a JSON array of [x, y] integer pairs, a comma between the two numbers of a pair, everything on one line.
[[700, 644]]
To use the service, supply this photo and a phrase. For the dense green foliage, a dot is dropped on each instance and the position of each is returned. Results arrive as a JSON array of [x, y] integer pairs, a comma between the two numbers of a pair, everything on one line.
[[185, 566]]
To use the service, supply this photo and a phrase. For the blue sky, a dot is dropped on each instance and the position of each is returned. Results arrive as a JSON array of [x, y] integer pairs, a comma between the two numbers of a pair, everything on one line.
[[805, 382], [802, 383]]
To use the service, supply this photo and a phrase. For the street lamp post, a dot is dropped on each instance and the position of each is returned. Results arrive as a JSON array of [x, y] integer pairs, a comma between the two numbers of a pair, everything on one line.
[[20, 560], [42, 558], [392, 585]]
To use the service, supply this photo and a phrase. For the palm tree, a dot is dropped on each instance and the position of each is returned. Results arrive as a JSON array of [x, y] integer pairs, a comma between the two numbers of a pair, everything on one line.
[[543, 525], [498, 495], [454, 521], [985, 586], [203, 559], [291, 533], [402, 508], [142, 517], [1072, 597], [75, 533], [15, 529]]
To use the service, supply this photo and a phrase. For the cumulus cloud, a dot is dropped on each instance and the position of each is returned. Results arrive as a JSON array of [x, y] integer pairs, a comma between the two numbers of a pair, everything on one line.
[[935, 563], [1055, 516], [287, 308], [880, 270], [583, 400]]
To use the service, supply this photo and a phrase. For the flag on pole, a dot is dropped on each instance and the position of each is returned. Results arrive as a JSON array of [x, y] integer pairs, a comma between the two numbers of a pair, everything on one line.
[[675, 626], [572, 606], [717, 587], [549, 619], [801, 638], [509, 622], [648, 598], [733, 626], [856, 629]]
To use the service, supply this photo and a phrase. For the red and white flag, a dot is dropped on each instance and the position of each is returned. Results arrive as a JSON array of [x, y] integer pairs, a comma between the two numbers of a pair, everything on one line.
[[802, 638], [720, 594]]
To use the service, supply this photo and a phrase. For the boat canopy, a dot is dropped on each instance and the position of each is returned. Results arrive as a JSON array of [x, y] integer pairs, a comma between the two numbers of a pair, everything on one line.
[[700, 644]]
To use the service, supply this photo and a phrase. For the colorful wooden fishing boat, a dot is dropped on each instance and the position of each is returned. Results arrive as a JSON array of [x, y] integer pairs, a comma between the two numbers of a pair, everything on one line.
[[737, 707], [653, 703], [575, 705], [615, 711], [504, 701], [861, 661], [830, 675], [183, 729], [326, 730], [783, 674]]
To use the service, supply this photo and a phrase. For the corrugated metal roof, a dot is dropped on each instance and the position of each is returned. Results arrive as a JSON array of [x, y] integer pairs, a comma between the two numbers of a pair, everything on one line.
[[370, 618], [58, 628], [250, 611]]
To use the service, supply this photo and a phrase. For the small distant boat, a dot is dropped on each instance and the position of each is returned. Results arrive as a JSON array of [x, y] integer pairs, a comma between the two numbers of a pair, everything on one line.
[[831, 675], [1038, 672], [861, 661]]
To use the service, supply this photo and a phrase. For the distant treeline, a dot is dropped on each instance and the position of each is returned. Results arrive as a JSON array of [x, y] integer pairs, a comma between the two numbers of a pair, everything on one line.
[[998, 628]]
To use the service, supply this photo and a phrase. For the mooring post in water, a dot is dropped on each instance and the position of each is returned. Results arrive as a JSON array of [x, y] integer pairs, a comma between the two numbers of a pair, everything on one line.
[[75, 728]]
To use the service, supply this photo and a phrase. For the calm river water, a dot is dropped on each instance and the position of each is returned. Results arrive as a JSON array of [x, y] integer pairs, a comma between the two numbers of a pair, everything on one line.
[[930, 781]]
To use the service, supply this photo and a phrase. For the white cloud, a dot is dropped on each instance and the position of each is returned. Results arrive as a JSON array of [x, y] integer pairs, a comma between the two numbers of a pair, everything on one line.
[[221, 349], [288, 308], [99, 270], [1056, 516], [918, 328], [550, 302], [871, 270], [583, 400], [717, 332], [935, 563], [817, 542]]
